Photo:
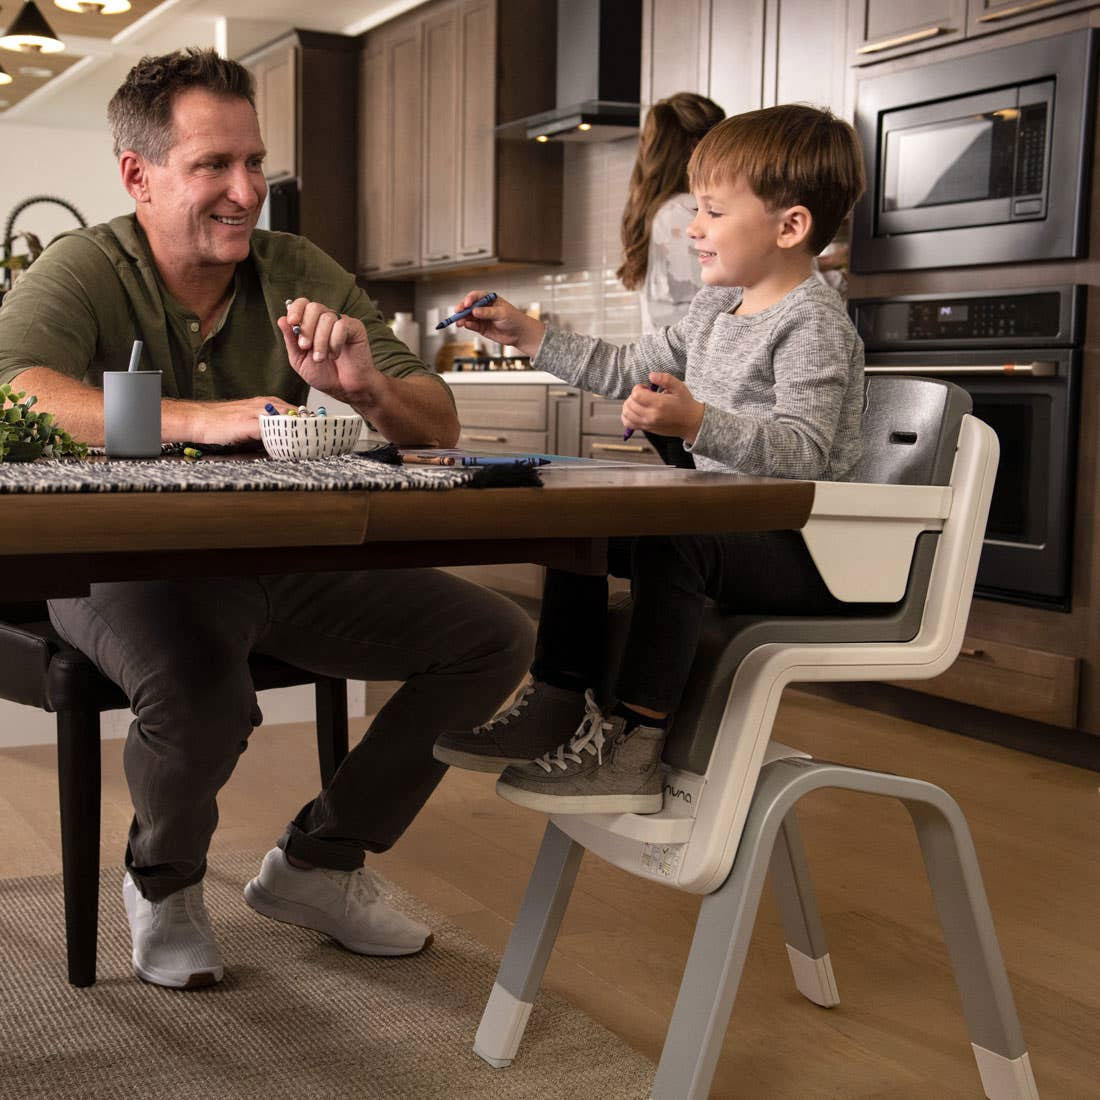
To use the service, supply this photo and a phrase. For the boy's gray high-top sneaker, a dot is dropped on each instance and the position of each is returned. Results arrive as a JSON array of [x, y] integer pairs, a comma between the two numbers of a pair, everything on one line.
[[539, 719], [603, 769]]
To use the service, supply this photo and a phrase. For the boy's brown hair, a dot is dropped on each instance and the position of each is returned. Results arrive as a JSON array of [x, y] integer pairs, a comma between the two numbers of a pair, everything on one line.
[[791, 155], [140, 112]]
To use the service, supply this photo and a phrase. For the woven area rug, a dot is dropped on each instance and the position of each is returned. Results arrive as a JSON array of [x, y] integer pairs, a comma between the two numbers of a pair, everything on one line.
[[296, 1017]]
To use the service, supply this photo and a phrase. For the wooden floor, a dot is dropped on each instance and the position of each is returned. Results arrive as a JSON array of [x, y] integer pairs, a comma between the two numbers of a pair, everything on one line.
[[898, 1033]]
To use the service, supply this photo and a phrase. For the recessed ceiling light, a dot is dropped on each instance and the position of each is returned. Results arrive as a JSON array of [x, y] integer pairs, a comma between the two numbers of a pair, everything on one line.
[[94, 7], [35, 70]]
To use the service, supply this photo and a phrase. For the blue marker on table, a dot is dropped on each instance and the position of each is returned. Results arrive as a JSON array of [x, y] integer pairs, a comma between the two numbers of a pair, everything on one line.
[[630, 431], [502, 460], [484, 300]]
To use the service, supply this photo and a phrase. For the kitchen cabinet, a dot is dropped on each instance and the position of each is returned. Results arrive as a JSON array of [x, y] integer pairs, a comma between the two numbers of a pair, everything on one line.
[[602, 433], [306, 92], [745, 54], [986, 16], [438, 190], [881, 29]]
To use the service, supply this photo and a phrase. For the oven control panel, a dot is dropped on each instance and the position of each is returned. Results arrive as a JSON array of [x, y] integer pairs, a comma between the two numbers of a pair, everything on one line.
[[1047, 316]]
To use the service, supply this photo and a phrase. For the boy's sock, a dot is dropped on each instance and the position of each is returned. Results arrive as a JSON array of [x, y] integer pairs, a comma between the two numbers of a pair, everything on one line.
[[636, 718]]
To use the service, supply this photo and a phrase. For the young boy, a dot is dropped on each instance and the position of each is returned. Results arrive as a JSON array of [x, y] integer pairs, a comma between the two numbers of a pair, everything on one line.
[[763, 376]]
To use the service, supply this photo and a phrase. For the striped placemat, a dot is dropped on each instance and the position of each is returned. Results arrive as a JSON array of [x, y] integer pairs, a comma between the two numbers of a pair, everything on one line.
[[171, 475]]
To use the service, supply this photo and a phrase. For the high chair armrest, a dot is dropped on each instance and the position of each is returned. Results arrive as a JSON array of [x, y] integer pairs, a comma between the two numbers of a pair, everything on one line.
[[862, 536]]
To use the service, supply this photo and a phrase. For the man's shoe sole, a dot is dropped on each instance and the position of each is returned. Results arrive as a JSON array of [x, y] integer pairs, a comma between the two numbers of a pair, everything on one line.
[[200, 979], [476, 762], [301, 915], [582, 803]]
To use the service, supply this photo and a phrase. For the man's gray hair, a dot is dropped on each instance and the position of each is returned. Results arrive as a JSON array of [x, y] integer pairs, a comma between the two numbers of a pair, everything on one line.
[[140, 112]]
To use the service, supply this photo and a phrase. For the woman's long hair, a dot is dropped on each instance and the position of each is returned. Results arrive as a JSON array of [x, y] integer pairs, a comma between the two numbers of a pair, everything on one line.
[[673, 127]]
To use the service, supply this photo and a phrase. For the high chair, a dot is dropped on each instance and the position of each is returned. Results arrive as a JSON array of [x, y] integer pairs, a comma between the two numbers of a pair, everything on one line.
[[903, 538]]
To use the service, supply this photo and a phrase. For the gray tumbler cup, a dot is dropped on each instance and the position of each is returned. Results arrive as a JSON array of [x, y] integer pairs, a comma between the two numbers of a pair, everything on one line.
[[131, 413]]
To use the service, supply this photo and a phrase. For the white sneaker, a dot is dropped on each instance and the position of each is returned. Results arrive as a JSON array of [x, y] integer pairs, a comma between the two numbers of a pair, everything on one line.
[[173, 942], [346, 905]]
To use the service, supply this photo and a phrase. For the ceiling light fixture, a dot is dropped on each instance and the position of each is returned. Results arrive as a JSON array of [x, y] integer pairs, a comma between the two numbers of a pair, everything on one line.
[[30, 33], [94, 7]]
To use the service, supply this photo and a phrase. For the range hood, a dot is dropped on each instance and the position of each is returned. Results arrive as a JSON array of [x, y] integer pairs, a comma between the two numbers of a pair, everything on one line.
[[598, 75]]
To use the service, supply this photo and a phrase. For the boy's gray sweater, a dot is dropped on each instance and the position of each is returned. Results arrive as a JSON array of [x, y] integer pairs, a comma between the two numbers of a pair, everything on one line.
[[783, 388]]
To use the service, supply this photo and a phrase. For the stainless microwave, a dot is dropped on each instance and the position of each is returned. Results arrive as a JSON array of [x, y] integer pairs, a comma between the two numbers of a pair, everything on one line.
[[978, 160]]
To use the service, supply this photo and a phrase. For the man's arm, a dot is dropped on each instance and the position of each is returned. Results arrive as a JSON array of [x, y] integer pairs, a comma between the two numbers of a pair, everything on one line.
[[332, 353], [78, 408]]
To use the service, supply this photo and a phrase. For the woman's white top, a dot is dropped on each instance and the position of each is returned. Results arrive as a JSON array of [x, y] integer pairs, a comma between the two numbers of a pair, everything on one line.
[[672, 275]]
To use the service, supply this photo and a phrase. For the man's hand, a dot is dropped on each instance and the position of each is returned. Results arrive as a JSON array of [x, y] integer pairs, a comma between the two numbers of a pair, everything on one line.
[[672, 411], [502, 322], [332, 353], [223, 422]]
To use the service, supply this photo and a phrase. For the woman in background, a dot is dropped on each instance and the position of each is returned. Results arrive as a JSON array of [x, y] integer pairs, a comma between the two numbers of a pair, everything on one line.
[[658, 260]]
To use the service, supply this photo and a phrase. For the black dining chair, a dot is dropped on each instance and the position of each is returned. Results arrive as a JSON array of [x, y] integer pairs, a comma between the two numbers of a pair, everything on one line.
[[39, 669]]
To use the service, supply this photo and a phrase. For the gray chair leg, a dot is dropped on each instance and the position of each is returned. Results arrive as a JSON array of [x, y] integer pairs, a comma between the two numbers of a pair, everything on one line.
[[959, 893], [726, 917], [794, 894], [529, 946]]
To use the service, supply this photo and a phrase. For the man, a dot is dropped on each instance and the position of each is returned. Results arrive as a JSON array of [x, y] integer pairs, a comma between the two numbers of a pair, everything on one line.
[[190, 275]]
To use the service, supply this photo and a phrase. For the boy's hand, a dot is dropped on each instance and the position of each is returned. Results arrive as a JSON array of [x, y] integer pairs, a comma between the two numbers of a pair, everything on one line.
[[672, 411], [501, 322]]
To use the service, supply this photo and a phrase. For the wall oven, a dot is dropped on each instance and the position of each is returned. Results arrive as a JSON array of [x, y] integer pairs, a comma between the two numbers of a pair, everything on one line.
[[981, 159], [1018, 354]]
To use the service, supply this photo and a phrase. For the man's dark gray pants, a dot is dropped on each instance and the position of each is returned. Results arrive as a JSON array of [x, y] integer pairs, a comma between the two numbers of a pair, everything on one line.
[[180, 650]]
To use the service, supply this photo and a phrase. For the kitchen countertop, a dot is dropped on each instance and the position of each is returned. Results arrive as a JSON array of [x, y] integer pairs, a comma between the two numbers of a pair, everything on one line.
[[511, 377]]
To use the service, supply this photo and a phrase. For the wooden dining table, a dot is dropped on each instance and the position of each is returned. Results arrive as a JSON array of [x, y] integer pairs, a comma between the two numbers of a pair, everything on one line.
[[57, 544]]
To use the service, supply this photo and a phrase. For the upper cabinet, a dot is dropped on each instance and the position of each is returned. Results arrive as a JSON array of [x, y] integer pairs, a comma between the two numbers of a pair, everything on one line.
[[882, 29], [745, 54], [437, 189], [306, 103]]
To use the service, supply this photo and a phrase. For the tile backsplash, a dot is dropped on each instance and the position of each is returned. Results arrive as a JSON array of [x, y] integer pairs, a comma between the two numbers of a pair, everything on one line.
[[582, 294]]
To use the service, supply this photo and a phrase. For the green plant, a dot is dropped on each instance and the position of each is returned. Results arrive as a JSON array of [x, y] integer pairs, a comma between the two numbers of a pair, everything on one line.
[[25, 433], [23, 260]]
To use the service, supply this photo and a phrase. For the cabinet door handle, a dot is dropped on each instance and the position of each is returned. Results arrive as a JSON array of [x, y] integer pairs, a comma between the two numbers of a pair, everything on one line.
[[632, 448], [473, 251], [971, 651], [440, 256], [402, 263], [1040, 368], [902, 39], [371, 267], [487, 438], [562, 393], [1019, 9]]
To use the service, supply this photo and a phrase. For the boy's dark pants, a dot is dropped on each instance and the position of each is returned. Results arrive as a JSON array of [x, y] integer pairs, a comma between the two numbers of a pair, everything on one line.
[[672, 577]]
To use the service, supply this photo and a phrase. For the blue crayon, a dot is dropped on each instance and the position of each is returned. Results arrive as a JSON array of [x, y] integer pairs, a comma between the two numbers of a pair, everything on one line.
[[270, 409], [484, 300]]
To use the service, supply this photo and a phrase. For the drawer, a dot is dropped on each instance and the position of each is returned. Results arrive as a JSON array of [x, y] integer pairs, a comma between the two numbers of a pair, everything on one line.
[[493, 441], [503, 406], [1011, 679], [601, 415], [636, 449]]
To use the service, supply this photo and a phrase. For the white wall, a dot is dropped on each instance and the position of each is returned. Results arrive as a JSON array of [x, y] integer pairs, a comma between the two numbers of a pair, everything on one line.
[[75, 165]]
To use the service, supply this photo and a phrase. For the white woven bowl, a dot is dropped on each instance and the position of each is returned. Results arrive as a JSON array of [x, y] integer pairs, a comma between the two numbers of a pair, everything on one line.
[[309, 436]]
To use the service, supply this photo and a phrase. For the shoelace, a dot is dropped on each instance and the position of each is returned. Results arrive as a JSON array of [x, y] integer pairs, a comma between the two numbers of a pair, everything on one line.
[[589, 738], [358, 886], [184, 908], [514, 711]]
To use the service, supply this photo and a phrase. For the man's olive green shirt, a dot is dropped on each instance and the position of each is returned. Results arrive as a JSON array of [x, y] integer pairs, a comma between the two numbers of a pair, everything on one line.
[[81, 305]]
